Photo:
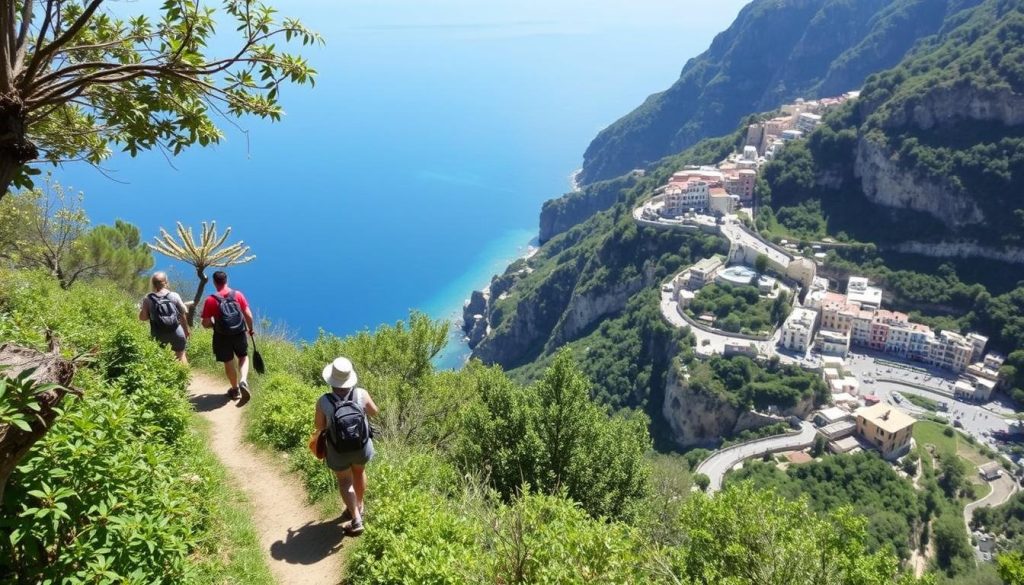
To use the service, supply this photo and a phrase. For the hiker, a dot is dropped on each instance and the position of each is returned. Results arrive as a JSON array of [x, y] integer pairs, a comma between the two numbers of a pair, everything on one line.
[[166, 313], [343, 413], [227, 313]]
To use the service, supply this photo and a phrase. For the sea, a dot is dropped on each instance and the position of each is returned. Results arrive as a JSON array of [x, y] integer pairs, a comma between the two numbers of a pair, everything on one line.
[[416, 166]]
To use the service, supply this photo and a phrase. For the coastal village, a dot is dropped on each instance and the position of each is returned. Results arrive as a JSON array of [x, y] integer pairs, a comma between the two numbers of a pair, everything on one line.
[[872, 358]]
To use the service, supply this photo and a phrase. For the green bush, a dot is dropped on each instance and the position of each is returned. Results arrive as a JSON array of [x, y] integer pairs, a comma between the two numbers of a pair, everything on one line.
[[119, 490], [282, 412]]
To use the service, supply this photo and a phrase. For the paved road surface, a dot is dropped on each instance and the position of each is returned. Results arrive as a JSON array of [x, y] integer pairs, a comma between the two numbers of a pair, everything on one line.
[[1002, 489], [722, 461]]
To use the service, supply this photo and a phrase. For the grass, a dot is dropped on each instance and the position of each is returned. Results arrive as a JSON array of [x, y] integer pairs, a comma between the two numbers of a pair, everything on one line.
[[931, 433], [921, 401], [235, 554]]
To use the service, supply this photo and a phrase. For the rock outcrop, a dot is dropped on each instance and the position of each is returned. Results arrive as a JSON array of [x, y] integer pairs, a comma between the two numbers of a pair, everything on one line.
[[888, 183], [701, 419]]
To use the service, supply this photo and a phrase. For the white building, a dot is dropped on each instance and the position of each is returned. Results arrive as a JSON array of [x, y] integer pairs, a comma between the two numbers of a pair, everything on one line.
[[830, 342], [807, 122], [798, 330], [950, 350], [859, 291]]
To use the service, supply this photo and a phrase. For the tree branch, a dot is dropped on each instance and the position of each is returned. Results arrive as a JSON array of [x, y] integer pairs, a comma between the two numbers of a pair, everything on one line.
[[21, 43], [44, 53]]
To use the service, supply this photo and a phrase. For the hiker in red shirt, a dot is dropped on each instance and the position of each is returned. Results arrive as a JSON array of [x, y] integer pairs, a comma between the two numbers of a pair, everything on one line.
[[227, 313]]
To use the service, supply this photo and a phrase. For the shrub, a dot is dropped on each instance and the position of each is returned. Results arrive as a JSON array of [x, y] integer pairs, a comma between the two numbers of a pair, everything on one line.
[[281, 412]]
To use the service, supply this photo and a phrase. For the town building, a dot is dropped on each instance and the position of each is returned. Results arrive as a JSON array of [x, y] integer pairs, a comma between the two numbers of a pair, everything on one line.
[[705, 271], [859, 291], [978, 343], [950, 350], [837, 312], [831, 342], [720, 202], [973, 389], [886, 428], [681, 198], [807, 122], [798, 329], [831, 415]]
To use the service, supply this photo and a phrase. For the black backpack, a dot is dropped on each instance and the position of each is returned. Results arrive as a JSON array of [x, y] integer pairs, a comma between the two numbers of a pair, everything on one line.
[[230, 320], [348, 429], [163, 313]]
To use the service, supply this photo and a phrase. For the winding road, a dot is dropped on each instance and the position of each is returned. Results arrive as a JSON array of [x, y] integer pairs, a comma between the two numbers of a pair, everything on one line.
[[716, 466], [1002, 489]]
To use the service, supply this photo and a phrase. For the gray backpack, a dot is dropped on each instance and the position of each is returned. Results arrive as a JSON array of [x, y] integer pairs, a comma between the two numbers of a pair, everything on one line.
[[163, 313]]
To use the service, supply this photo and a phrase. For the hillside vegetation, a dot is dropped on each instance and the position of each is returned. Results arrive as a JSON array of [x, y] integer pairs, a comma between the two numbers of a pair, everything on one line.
[[482, 479], [775, 51], [122, 490]]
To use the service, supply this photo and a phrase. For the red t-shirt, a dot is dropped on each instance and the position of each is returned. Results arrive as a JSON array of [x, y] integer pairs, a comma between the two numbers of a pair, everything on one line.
[[212, 310]]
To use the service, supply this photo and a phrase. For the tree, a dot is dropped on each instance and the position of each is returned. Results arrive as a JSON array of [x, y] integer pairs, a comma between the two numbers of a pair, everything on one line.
[[1011, 568], [76, 79], [209, 251], [818, 448], [702, 481], [745, 535], [553, 438], [952, 551], [952, 475], [761, 264], [50, 230]]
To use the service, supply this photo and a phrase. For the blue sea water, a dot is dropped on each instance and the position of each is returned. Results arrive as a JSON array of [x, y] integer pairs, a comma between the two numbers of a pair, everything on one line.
[[416, 167]]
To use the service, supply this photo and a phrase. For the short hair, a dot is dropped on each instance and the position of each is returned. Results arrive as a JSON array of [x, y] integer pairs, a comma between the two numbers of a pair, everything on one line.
[[158, 280], [220, 278]]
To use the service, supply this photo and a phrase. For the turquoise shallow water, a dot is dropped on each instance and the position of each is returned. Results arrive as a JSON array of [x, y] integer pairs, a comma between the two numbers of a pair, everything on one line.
[[416, 167]]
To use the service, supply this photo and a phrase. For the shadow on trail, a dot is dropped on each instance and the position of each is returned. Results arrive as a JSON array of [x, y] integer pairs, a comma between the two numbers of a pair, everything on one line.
[[208, 402], [310, 543]]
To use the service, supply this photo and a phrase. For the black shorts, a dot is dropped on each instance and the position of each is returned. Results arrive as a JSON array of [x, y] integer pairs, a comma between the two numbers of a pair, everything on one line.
[[226, 347]]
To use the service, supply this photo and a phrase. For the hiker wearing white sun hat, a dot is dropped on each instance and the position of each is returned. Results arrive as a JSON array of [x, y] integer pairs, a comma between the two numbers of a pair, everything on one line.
[[342, 419]]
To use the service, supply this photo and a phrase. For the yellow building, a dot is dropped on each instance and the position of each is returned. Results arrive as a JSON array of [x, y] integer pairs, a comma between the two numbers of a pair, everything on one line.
[[886, 427]]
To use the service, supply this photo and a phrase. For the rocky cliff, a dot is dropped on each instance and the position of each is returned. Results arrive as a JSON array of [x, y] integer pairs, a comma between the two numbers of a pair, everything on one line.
[[701, 418]]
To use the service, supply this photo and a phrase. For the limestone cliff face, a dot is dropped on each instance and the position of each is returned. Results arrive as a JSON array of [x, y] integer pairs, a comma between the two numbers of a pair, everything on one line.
[[945, 105], [964, 249], [886, 182], [696, 418], [587, 308]]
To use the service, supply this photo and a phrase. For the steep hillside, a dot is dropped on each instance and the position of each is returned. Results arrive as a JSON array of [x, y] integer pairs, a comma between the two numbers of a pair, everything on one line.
[[775, 51], [931, 158]]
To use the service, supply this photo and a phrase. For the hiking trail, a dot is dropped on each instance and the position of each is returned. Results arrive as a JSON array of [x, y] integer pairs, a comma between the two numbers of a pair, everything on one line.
[[300, 545]]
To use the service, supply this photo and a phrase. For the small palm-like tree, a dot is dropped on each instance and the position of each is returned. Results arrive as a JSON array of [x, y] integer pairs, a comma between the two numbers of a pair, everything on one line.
[[209, 251]]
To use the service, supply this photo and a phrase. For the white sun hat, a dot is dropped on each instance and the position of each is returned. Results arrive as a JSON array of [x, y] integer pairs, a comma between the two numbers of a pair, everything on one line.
[[340, 374]]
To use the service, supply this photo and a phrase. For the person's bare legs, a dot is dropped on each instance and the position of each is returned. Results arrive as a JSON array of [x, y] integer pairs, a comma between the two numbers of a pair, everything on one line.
[[231, 372], [359, 485], [243, 369], [348, 494], [181, 357]]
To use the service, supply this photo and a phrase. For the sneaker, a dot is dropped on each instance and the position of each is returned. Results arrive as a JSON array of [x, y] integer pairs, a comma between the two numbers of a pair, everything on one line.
[[233, 394], [354, 528], [245, 396]]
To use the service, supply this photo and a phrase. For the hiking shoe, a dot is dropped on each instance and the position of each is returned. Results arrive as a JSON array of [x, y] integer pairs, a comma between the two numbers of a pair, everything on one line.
[[243, 386], [354, 528], [233, 394]]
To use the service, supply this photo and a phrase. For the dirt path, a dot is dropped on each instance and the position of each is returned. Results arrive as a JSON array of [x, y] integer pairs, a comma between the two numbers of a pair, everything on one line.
[[301, 547]]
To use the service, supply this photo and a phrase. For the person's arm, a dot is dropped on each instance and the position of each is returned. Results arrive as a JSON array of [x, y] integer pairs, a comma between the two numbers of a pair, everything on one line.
[[319, 420], [144, 310], [183, 320], [208, 313], [249, 321], [370, 407]]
